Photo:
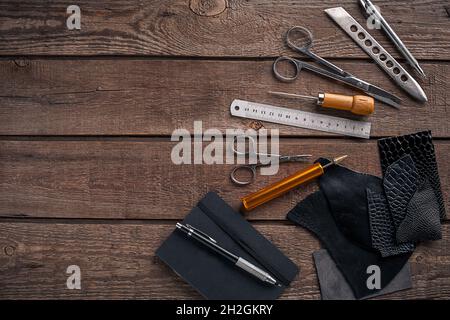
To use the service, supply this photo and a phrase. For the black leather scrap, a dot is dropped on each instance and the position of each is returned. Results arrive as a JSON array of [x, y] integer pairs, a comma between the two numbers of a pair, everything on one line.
[[412, 187], [406, 213], [421, 149], [382, 228], [400, 184], [422, 220], [314, 214]]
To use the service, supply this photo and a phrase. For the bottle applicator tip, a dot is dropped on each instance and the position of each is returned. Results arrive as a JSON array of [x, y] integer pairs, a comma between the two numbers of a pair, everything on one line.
[[335, 161], [339, 159]]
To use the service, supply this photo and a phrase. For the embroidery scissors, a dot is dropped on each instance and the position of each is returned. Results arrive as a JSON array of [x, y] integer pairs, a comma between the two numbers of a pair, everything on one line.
[[251, 168], [330, 71]]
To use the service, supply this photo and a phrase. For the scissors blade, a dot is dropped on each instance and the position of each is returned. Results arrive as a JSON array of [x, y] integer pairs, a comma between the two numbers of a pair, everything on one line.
[[296, 158], [370, 89], [373, 91], [384, 96]]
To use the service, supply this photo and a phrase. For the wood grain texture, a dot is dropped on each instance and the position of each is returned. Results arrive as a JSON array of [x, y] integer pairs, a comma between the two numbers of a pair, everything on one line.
[[154, 97], [117, 261], [137, 179], [221, 28], [147, 67]]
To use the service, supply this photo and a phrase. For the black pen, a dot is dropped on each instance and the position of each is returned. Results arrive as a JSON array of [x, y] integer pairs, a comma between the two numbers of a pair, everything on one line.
[[238, 261]]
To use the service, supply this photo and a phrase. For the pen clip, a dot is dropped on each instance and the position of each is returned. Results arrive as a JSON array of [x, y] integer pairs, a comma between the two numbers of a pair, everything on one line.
[[201, 232]]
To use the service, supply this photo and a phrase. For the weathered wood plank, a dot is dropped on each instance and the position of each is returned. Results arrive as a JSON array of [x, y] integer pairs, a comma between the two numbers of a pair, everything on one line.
[[217, 28], [137, 179], [154, 97], [117, 261]]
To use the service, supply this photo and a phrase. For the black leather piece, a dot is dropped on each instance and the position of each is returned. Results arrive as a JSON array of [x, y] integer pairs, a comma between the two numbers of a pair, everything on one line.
[[212, 275], [334, 287], [314, 213], [382, 227], [422, 221], [420, 147], [345, 191], [400, 184]]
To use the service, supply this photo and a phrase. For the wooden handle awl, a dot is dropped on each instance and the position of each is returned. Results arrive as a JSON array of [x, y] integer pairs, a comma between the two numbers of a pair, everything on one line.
[[360, 105]]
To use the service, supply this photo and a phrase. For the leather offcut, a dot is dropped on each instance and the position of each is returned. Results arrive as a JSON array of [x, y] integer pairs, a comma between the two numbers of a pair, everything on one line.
[[421, 149], [400, 184], [407, 212], [333, 285], [422, 221], [338, 216], [382, 227], [412, 187], [345, 191]]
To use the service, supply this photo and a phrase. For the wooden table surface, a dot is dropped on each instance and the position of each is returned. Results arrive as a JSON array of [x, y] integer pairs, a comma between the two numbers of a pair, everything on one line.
[[86, 117]]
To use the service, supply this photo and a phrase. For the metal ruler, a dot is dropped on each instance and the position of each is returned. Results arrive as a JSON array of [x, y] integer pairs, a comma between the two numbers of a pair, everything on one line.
[[302, 119]]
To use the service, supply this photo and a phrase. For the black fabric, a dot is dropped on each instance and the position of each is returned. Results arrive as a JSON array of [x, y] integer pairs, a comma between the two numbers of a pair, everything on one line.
[[422, 221], [421, 149], [338, 215], [215, 277], [333, 285], [382, 228]]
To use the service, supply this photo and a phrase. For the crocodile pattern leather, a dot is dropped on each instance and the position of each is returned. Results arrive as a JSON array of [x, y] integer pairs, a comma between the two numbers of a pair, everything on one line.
[[382, 228], [422, 221], [400, 184], [420, 147]]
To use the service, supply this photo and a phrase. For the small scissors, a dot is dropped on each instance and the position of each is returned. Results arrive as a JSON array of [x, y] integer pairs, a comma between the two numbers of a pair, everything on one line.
[[252, 167], [332, 71]]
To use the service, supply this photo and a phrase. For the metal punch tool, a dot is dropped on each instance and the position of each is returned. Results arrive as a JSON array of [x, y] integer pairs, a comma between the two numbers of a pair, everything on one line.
[[370, 9], [251, 168], [377, 52], [330, 71]]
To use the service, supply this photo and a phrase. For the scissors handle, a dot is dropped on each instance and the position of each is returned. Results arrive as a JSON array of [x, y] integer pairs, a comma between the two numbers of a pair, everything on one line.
[[299, 65], [250, 168], [305, 47], [279, 75]]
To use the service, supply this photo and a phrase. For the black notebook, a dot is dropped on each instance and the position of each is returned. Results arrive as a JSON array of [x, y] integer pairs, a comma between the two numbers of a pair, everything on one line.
[[215, 277]]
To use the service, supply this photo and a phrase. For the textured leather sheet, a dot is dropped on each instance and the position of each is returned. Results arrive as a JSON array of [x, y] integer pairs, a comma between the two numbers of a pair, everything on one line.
[[421, 149], [382, 227]]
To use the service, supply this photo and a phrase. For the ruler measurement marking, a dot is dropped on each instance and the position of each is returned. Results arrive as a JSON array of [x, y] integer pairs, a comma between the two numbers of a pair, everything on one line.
[[302, 119]]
